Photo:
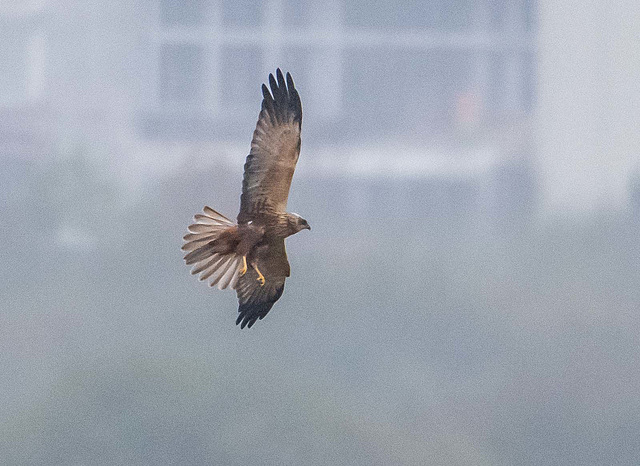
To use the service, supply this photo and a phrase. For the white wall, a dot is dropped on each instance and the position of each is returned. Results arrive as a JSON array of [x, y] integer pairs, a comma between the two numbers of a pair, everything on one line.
[[589, 104]]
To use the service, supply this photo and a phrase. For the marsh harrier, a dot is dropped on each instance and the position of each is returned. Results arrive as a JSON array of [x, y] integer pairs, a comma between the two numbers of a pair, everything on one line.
[[249, 256]]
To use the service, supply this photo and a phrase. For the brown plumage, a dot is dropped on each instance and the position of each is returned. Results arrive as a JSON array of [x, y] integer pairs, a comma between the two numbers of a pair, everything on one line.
[[218, 247]]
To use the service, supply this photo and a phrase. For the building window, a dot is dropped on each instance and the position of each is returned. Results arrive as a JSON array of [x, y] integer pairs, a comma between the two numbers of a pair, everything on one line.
[[242, 13], [181, 73], [295, 13], [242, 77], [530, 18], [385, 15], [182, 12]]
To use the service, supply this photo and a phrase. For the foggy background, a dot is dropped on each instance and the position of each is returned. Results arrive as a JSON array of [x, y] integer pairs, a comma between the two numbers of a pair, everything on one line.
[[468, 295]]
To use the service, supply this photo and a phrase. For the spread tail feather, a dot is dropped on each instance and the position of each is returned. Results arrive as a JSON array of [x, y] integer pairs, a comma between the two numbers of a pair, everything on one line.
[[203, 252]]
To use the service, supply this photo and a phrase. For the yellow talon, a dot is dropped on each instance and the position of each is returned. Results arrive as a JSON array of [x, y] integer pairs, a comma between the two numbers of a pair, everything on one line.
[[260, 276], [243, 270]]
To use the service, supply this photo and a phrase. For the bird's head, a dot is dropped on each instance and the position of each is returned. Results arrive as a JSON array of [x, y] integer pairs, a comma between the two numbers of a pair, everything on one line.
[[299, 223]]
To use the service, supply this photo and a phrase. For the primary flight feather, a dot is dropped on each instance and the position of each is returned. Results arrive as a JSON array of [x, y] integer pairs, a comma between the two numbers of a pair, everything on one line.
[[249, 255]]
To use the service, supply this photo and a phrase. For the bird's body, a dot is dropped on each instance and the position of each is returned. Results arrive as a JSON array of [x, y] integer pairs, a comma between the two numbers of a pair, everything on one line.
[[250, 255]]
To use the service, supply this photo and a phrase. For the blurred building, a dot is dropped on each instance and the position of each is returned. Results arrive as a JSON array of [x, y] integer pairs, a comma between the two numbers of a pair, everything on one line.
[[445, 77], [26, 126], [447, 88], [24, 122], [366, 68], [191, 69]]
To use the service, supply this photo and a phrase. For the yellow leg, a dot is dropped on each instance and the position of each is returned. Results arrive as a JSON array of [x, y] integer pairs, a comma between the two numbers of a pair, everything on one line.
[[244, 266], [260, 276]]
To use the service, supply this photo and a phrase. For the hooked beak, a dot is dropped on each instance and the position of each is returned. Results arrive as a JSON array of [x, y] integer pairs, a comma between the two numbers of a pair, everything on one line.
[[308, 227]]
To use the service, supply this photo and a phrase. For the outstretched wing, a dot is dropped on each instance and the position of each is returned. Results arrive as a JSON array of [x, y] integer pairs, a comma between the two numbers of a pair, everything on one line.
[[274, 151], [256, 301]]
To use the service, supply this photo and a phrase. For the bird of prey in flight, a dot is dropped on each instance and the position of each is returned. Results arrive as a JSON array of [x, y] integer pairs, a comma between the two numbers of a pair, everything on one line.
[[249, 256]]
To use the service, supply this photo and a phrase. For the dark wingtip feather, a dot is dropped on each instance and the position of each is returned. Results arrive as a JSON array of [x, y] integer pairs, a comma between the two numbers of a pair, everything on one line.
[[281, 83], [273, 84], [283, 102], [250, 313], [265, 92]]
